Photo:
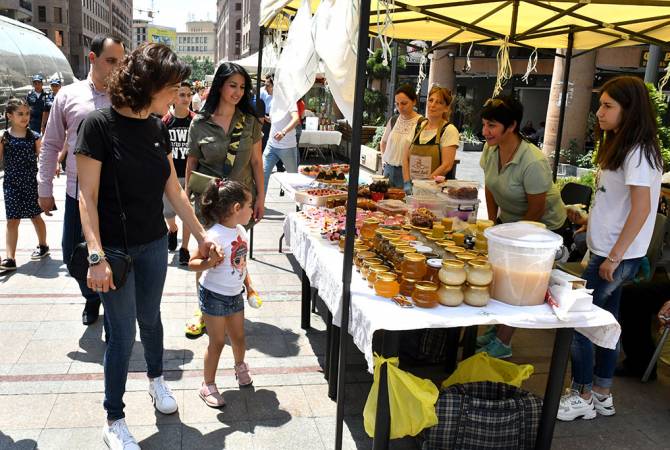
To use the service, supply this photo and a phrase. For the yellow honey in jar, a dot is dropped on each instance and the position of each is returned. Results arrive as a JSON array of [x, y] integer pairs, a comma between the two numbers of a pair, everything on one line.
[[386, 285]]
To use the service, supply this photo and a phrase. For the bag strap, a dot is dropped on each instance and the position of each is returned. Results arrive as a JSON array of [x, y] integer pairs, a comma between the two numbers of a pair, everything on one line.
[[107, 112]]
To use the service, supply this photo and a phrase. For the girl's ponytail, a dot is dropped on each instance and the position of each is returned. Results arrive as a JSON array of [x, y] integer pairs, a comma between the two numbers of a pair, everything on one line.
[[220, 197]]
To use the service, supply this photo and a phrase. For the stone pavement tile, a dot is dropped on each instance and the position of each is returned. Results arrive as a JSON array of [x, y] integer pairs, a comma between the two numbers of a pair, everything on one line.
[[40, 368], [272, 380], [89, 438], [96, 386], [173, 327], [277, 402], [297, 433], [140, 408], [86, 367], [19, 412], [49, 351], [12, 345], [322, 406], [313, 378], [68, 312], [196, 411], [353, 434], [30, 387], [654, 426], [18, 326], [217, 436], [19, 439], [610, 440], [159, 437], [77, 410], [5, 368], [174, 310], [23, 313], [265, 345], [274, 309]]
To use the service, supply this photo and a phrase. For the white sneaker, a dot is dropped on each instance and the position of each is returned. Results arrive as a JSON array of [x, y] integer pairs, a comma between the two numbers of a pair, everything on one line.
[[573, 406], [117, 436], [604, 407], [162, 396]]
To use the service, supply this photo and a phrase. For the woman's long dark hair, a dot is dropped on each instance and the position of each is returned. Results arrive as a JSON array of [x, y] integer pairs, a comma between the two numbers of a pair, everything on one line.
[[225, 71], [638, 125]]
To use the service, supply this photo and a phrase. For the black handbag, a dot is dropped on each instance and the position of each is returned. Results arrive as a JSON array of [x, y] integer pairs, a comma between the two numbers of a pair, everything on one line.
[[119, 261]]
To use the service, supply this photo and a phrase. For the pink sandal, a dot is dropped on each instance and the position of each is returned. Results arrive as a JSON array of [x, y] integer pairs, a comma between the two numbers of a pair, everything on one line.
[[242, 374], [209, 394]]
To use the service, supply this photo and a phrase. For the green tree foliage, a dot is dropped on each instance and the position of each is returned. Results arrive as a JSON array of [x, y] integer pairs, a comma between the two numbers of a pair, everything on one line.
[[660, 105], [199, 68]]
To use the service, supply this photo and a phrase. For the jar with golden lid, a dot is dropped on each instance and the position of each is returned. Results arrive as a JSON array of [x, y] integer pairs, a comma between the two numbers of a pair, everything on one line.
[[362, 255], [458, 238], [450, 295], [484, 224], [407, 286], [481, 244], [447, 223], [479, 272], [373, 271], [386, 285], [366, 265], [425, 294], [381, 234], [438, 231], [433, 266], [413, 265], [465, 256], [400, 253], [477, 295], [449, 242], [368, 229], [452, 272]]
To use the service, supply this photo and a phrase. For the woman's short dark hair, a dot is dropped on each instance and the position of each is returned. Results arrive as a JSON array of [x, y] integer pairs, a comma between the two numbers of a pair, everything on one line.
[[220, 197], [408, 90], [225, 71], [638, 125], [147, 70], [504, 109]]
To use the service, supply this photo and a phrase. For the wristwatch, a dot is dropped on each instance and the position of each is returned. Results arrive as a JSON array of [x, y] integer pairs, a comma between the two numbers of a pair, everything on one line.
[[95, 257]]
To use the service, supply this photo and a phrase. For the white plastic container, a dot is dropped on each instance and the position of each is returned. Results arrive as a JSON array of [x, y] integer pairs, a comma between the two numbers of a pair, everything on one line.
[[522, 256], [465, 210], [435, 203]]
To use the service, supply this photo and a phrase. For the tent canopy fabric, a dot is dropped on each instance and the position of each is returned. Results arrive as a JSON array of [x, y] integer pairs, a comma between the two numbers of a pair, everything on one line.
[[531, 23], [250, 63]]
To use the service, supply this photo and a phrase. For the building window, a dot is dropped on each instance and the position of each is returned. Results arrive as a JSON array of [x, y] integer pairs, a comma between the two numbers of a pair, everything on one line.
[[59, 38], [238, 24], [42, 13], [58, 15], [238, 6]]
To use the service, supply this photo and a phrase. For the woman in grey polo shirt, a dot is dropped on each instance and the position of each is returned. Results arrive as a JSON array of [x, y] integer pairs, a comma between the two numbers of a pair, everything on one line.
[[518, 186]]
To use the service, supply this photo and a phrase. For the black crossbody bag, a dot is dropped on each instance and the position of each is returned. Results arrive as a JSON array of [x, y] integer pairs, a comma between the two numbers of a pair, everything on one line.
[[119, 261]]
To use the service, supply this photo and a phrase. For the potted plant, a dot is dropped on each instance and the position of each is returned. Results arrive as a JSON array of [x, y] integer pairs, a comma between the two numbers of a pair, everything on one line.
[[471, 142]]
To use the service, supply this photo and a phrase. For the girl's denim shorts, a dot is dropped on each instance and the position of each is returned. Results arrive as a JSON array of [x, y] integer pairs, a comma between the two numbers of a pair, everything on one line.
[[219, 305]]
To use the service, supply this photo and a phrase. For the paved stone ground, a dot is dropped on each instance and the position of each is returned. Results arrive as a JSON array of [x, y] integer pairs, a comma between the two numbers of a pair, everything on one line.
[[51, 382]]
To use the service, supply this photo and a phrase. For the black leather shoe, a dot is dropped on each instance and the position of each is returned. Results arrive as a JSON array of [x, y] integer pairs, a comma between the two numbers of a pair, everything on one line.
[[90, 314]]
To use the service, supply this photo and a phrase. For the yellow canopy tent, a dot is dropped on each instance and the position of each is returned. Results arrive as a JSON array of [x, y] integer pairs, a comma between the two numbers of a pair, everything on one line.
[[566, 24]]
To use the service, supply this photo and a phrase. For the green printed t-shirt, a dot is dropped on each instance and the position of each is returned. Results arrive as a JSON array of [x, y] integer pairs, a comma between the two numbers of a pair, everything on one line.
[[527, 173]]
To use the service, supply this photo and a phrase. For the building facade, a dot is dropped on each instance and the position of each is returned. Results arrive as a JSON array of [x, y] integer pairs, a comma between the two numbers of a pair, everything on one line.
[[52, 18], [145, 31], [250, 29], [21, 10], [198, 41], [228, 30]]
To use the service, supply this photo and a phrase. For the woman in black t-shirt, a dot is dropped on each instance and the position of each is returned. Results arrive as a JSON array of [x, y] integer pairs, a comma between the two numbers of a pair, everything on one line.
[[128, 141]]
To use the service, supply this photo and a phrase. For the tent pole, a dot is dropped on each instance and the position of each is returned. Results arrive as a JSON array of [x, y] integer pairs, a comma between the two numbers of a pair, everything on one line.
[[564, 101], [350, 227], [394, 80], [651, 71], [261, 45]]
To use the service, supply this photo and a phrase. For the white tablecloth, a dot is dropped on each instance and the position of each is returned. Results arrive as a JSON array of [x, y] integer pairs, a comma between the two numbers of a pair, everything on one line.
[[319, 137], [293, 182], [322, 263]]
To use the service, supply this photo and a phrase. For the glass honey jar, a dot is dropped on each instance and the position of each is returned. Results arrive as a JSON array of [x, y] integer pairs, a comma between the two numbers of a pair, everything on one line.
[[366, 264], [373, 271], [399, 255], [447, 223], [479, 272], [368, 229], [386, 285], [452, 272], [477, 295], [450, 295], [407, 286], [413, 265], [425, 294], [362, 255], [433, 266], [438, 230]]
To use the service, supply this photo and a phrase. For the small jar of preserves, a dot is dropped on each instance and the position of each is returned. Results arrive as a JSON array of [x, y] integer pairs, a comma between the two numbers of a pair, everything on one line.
[[365, 267], [368, 229], [452, 272], [373, 271], [433, 266], [479, 272], [392, 245], [459, 238], [343, 239], [483, 225], [447, 223], [476, 295], [361, 256], [400, 253], [465, 256], [425, 294], [407, 286], [481, 244], [413, 265], [438, 231], [450, 295], [386, 285], [381, 234]]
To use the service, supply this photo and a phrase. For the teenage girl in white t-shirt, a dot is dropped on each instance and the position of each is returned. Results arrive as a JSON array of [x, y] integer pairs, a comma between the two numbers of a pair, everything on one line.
[[620, 226], [228, 206]]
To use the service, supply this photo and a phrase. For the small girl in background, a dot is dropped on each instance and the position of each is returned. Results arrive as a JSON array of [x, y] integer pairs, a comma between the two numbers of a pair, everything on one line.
[[227, 207], [19, 147]]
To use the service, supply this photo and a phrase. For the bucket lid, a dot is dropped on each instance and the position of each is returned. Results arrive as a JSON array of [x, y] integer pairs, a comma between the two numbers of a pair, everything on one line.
[[523, 235], [451, 201]]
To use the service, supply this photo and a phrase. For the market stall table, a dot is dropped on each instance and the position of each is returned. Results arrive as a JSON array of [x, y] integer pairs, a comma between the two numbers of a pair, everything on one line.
[[322, 265], [315, 139]]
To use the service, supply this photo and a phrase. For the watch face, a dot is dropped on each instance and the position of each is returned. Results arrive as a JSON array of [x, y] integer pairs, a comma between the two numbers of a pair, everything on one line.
[[93, 258]]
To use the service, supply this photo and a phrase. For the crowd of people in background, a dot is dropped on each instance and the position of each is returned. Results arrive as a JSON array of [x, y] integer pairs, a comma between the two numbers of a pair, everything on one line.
[[211, 151]]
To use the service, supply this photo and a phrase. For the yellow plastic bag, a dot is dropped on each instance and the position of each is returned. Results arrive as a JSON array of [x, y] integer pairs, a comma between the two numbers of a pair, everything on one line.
[[481, 367], [411, 401]]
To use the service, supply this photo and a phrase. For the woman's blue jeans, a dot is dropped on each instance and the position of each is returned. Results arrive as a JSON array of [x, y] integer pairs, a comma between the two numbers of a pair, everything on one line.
[[139, 300], [591, 367], [289, 156], [394, 174]]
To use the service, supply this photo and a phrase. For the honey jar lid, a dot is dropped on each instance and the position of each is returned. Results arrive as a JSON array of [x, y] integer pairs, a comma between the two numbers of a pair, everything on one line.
[[435, 263], [453, 264], [378, 268], [426, 286], [366, 254], [409, 280], [370, 221], [465, 256], [405, 249], [479, 263], [478, 288], [414, 257], [386, 276]]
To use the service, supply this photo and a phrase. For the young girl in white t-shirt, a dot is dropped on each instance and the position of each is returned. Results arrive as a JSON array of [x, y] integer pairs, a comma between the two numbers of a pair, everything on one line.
[[620, 226], [227, 207]]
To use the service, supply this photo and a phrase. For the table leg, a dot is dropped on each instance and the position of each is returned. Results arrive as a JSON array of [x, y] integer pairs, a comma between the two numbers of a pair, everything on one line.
[[305, 301], [281, 192], [334, 361], [469, 341], [251, 243], [552, 395], [390, 347], [281, 239], [453, 336], [329, 337]]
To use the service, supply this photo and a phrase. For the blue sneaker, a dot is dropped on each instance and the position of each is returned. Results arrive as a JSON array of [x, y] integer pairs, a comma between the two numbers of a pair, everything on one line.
[[497, 349], [488, 336]]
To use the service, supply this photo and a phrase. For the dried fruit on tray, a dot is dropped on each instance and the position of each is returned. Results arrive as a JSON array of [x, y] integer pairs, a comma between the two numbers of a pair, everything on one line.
[[422, 217]]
